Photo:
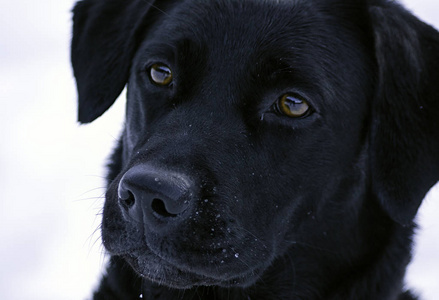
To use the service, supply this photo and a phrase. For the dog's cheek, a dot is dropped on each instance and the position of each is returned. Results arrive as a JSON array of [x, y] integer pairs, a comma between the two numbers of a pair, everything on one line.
[[277, 196]]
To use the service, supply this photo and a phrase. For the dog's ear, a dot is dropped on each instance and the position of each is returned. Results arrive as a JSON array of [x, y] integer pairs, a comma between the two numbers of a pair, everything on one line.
[[405, 113], [105, 37]]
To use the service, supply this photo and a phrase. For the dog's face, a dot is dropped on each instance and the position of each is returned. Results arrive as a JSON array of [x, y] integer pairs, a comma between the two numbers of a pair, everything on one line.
[[254, 123], [248, 132]]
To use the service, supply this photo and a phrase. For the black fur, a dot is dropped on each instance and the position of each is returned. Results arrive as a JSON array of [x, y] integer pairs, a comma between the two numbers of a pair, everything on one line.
[[255, 204]]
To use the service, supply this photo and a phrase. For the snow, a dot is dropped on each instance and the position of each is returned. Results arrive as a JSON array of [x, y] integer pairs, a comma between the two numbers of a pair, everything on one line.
[[51, 169]]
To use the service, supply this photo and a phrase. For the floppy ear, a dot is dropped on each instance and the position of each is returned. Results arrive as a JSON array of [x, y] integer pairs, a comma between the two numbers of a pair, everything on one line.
[[105, 37], [405, 127]]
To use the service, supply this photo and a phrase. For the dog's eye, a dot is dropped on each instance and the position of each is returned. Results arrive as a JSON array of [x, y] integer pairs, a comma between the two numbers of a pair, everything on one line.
[[292, 105], [160, 74]]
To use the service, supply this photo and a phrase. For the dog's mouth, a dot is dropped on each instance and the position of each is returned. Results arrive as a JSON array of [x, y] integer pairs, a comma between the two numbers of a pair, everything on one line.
[[177, 261], [154, 268]]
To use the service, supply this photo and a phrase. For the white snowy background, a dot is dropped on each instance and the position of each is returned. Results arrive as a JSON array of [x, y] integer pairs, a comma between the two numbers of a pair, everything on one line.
[[51, 168]]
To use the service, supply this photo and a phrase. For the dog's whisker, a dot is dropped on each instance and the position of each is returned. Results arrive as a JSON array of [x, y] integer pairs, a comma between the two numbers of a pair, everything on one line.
[[256, 238], [156, 7], [96, 176], [307, 245], [97, 238], [82, 198]]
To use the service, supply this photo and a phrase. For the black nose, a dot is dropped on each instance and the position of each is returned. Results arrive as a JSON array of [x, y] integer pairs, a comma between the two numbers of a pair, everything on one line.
[[151, 195]]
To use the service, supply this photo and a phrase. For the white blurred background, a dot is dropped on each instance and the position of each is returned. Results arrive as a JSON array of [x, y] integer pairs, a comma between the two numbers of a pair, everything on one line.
[[51, 169]]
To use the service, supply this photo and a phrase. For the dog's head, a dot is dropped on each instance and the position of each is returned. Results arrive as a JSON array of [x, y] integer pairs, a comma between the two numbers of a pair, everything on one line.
[[253, 127]]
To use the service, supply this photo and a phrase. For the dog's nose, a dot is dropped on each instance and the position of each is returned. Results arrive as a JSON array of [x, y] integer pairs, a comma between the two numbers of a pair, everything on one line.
[[151, 195]]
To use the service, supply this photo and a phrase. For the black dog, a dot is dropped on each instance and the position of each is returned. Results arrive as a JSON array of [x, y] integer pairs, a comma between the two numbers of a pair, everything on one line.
[[272, 149]]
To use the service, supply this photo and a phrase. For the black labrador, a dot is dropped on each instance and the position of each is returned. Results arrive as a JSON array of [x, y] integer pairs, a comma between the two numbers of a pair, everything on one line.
[[271, 150]]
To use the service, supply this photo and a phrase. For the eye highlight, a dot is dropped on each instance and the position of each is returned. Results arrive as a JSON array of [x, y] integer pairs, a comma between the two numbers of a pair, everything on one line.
[[160, 74], [292, 105]]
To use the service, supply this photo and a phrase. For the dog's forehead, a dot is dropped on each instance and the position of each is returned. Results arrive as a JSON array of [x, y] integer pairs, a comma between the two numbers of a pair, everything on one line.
[[237, 24], [284, 29]]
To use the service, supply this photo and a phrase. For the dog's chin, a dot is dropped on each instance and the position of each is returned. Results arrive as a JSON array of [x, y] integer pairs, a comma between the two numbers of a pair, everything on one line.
[[153, 268]]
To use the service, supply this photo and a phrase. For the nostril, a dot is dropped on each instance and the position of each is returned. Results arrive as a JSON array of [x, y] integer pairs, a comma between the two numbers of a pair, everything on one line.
[[127, 199], [159, 207]]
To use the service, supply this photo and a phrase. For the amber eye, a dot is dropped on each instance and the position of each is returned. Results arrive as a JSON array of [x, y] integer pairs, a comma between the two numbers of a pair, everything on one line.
[[160, 74], [292, 105]]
